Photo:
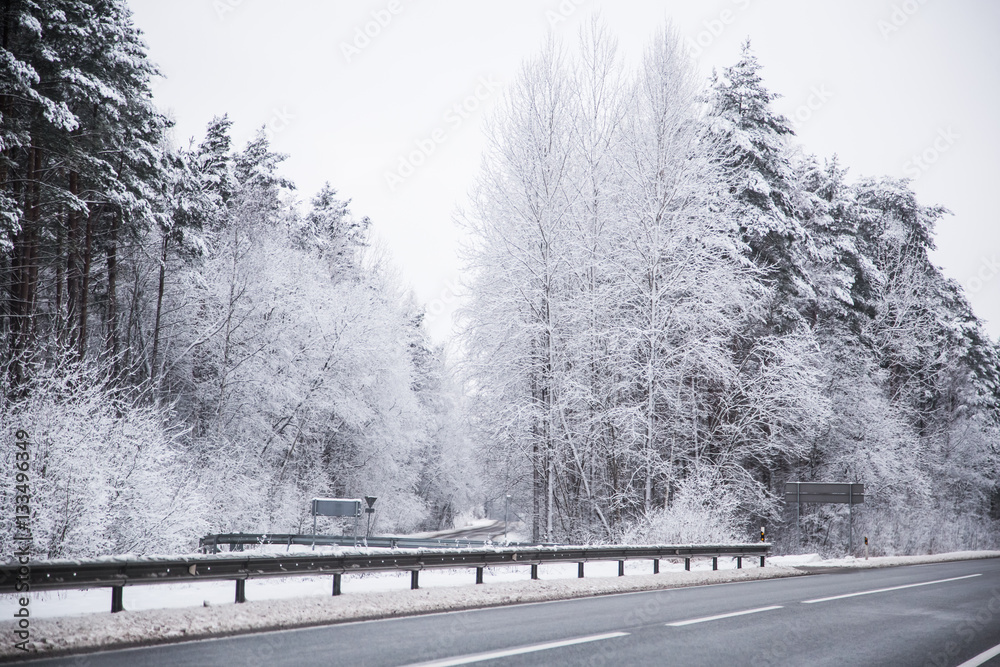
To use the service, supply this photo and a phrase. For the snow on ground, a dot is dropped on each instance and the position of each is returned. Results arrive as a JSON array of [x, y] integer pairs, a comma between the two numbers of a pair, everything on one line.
[[814, 560], [360, 602]]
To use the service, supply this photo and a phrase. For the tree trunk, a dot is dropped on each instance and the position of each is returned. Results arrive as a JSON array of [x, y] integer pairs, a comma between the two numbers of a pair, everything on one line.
[[536, 463], [73, 265], [60, 277], [112, 314], [85, 279], [36, 210], [159, 310], [26, 252], [651, 362]]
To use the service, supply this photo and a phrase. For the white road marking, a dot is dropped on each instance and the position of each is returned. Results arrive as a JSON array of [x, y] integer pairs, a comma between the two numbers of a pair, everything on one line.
[[720, 616], [891, 588], [982, 657], [493, 655]]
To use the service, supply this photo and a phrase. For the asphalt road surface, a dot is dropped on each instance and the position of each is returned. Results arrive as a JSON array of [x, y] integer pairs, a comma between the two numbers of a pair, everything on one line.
[[487, 531], [942, 615]]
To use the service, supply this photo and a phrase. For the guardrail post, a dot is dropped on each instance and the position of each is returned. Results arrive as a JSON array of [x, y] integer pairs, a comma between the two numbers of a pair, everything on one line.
[[116, 599], [621, 568], [762, 561], [241, 591], [534, 571], [336, 584], [739, 562], [579, 570], [479, 575], [656, 566], [715, 562], [414, 580], [687, 564]]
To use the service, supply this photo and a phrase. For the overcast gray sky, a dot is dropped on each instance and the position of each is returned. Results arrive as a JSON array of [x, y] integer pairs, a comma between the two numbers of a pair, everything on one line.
[[887, 82]]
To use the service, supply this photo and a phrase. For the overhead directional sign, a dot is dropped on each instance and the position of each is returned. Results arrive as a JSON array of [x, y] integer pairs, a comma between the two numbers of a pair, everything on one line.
[[817, 492]]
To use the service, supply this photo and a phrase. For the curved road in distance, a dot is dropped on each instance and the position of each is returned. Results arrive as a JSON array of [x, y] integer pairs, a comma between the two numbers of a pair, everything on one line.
[[487, 531], [939, 615]]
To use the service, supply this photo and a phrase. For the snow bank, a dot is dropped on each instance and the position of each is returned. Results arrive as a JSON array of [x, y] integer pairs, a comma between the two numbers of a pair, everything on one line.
[[808, 561], [132, 628]]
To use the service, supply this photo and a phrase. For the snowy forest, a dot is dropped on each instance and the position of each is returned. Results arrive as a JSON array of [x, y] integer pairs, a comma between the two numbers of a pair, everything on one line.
[[673, 309], [190, 347]]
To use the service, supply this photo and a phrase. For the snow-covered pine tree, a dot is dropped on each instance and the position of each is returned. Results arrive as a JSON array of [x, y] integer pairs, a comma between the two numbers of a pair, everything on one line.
[[753, 141]]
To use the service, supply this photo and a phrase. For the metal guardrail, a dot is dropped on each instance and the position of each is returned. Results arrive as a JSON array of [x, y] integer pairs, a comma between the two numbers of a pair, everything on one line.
[[237, 541], [115, 574]]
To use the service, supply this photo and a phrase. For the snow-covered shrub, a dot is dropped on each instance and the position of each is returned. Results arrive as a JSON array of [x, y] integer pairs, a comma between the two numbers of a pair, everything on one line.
[[104, 475], [698, 514]]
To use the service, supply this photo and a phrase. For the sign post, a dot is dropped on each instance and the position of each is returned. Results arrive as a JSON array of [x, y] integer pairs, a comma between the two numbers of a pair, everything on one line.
[[347, 507], [369, 511], [820, 492], [850, 519], [506, 513]]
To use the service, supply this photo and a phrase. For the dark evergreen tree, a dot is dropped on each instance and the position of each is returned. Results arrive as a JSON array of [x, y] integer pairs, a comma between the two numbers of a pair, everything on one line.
[[81, 162]]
